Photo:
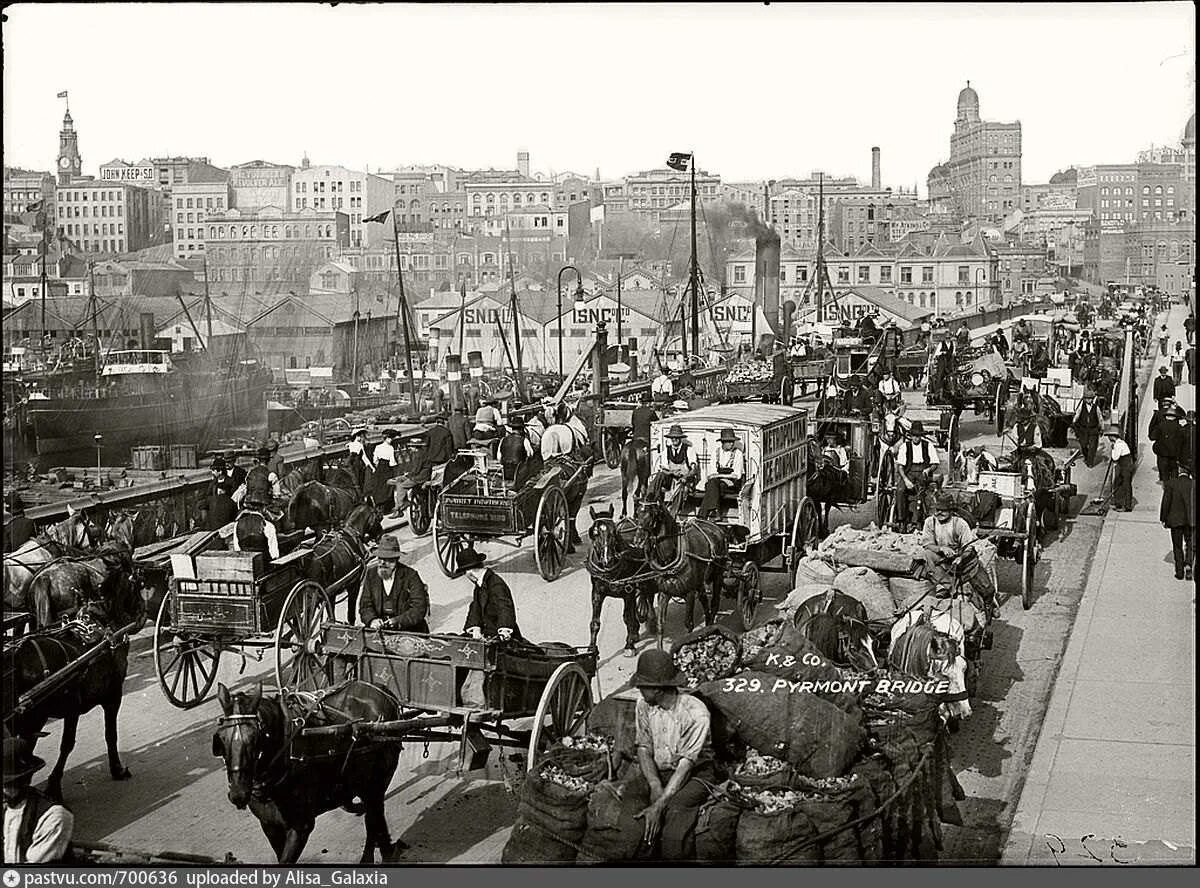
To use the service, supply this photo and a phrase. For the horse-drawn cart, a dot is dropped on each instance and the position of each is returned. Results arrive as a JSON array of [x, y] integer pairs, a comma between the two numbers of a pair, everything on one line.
[[615, 421], [481, 505], [478, 692], [220, 601]]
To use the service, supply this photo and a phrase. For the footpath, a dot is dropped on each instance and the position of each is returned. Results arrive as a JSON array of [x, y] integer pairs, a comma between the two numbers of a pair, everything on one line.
[[1113, 775]]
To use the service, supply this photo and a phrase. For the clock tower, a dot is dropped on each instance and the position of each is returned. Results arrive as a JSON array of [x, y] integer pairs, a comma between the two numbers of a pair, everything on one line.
[[69, 164]]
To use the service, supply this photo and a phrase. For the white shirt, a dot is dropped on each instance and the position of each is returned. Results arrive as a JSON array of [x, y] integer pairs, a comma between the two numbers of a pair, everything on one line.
[[1119, 449], [889, 388], [902, 452], [731, 459], [662, 385], [839, 457], [385, 452], [559, 440], [268, 532], [51, 834]]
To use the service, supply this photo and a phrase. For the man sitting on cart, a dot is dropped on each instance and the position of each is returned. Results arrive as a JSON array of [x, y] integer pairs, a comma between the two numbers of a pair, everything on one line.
[[1027, 433], [253, 531], [393, 595], [950, 539], [520, 461], [437, 451], [492, 614], [674, 747], [837, 458], [677, 467], [728, 477], [917, 464]]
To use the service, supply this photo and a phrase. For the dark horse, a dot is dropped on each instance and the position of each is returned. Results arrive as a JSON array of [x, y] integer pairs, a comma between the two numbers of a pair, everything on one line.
[[635, 466], [339, 551], [824, 484], [319, 505], [837, 626], [31, 658], [687, 557], [614, 559], [286, 792]]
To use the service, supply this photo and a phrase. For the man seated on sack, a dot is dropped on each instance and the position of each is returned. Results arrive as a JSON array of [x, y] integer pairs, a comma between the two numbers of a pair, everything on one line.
[[677, 468], [949, 536], [917, 464], [393, 595], [674, 747], [728, 476]]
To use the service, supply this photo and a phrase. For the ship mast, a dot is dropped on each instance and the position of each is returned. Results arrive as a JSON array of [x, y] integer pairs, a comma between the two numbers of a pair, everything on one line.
[[694, 271], [412, 383], [94, 311], [512, 282]]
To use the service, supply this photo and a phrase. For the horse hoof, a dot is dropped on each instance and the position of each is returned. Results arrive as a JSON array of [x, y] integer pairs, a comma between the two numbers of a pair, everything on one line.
[[123, 774]]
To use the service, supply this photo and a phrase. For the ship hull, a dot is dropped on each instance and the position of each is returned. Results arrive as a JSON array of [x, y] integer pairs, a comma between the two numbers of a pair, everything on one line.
[[284, 418]]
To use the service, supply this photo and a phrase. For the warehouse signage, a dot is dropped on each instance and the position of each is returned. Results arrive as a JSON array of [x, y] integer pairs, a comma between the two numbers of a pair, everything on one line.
[[487, 315], [128, 174], [588, 316]]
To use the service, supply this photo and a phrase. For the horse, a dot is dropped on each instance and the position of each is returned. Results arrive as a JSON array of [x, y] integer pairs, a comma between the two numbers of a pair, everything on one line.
[[635, 465], [336, 552], [255, 737], [74, 534], [686, 557], [317, 505], [31, 658], [611, 561], [824, 485], [837, 626]]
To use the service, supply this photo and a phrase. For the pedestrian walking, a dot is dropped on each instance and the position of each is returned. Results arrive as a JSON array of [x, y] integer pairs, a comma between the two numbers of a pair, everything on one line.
[[1163, 339], [1177, 363], [1189, 329], [1086, 423], [1170, 436], [1164, 385], [1121, 459], [1176, 515]]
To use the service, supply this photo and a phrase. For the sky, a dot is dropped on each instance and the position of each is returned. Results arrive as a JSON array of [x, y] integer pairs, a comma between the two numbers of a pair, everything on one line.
[[757, 91]]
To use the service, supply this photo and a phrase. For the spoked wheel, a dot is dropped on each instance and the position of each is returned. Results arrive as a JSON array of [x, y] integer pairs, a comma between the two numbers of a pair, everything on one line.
[[804, 535], [420, 510], [952, 444], [299, 663], [885, 491], [450, 548], [1030, 554], [562, 711], [611, 444], [550, 533], [749, 595], [185, 663], [1001, 400]]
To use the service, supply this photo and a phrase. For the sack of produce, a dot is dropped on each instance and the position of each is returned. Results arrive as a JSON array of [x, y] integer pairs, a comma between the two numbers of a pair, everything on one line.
[[801, 594], [760, 637], [907, 593], [707, 654], [777, 718], [552, 811], [716, 832], [813, 571], [800, 661], [612, 717], [758, 771], [771, 830], [869, 588], [889, 714], [613, 831]]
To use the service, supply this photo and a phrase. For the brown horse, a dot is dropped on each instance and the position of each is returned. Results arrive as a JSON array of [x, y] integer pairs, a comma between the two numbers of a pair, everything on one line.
[[687, 557], [635, 465], [824, 485], [337, 552], [837, 626], [612, 561], [75, 534], [318, 505], [31, 658], [256, 737]]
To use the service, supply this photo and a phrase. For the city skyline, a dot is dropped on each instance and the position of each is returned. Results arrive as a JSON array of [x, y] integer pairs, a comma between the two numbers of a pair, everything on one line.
[[621, 66]]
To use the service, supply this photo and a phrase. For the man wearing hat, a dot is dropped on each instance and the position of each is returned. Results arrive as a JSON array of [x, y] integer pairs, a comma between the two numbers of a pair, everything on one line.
[[835, 454], [1027, 432], [1177, 515], [1121, 458], [393, 595], [261, 477], [36, 829], [1086, 424], [517, 453], [222, 505], [889, 389], [677, 466], [1164, 385], [485, 433], [917, 464], [1172, 443], [358, 461], [254, 531], [662, 388], [642, 419], [18, 529], [729, 471], [492, 614], [945, 533], [674, 746]]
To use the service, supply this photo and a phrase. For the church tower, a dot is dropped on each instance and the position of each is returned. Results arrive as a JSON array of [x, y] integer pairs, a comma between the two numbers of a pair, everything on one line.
[[70, 166]]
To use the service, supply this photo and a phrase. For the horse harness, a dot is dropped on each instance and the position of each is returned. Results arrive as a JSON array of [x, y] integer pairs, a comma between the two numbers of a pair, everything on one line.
[[682, 552]]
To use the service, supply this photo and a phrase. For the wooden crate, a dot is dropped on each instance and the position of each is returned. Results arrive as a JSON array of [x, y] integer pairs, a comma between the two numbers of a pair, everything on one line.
[[1006, 484], [215, 606], [229, 565], [183, 456], [152, 459]]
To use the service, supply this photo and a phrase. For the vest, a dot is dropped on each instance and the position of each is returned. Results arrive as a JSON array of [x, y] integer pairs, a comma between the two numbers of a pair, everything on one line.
[[36, 806], [250, 532], [259, 478], [1089, 419], [1025, 432], [512, 449], [677, 455], [908, 453]]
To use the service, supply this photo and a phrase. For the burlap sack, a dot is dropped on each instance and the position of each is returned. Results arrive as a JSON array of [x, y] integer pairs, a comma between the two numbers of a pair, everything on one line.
[[869, 588]]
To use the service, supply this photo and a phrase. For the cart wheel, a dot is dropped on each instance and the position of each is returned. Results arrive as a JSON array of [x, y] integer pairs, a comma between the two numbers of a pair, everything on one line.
[[611, 443], [185, 663], [953, 445], [550, 533], [1031, 550], [804, 536], [420, 510], [449, 548], [562, 711], [749, 595], [885, 490], [299, 663]]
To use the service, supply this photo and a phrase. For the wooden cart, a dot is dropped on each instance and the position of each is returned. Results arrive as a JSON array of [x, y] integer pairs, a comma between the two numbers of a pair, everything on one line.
[[221, 601], [534, 695], [481, 505]]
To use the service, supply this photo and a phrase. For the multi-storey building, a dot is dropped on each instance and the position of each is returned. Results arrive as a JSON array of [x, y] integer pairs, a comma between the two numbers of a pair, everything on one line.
[[357, 194], [25, 188], [103, 217], [261, 184], [1049, 196], [269, 250], [193, 202], [1020, 266], [652, 191], [492, 193], [752, 195], [982, 178]]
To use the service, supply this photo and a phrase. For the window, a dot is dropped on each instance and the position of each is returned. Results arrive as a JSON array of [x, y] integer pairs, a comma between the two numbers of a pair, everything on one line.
[[906, 275], [885, 274], [739, 274], [964, 274], [864, 274], [843, 275], [927, 274]]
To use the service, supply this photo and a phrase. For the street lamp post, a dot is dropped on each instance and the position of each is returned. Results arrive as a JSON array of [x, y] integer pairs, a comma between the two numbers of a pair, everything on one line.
[[975, 289], [99, 472], [579, 289]]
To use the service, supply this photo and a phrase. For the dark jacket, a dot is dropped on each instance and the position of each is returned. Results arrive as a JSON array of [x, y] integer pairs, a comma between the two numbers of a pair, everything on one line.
[[17, 532], [460, 430], [513, 453], [441, 445], [1164, 386], [492, 607], [1170, 438], [405, 601], [1087, 419], [641, 420], [1176, 507]]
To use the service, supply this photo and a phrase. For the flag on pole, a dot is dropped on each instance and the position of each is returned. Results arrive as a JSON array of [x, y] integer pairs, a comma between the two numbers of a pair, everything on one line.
[[63, 94], [382, 217], [34, 207], [678, 160]]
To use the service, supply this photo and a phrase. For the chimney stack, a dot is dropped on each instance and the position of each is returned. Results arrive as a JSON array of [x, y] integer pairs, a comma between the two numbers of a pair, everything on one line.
[[875, 181], [523, 163]]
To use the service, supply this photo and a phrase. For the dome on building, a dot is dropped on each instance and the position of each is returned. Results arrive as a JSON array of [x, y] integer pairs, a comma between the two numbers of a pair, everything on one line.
[[938, 172], [968, 103], [1189, 131], [1065, 177]]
